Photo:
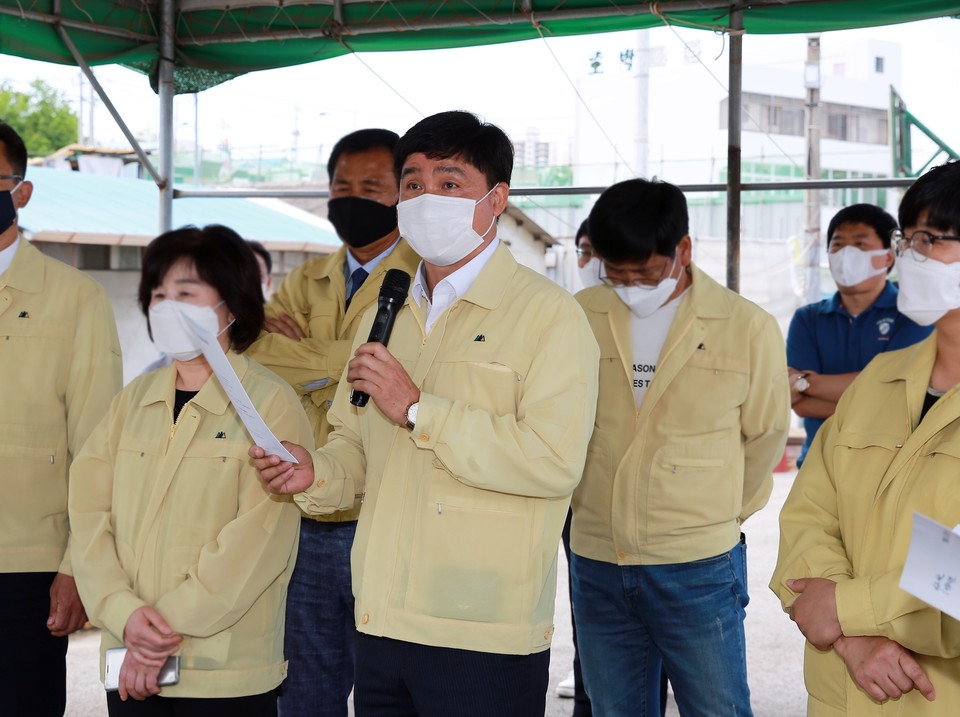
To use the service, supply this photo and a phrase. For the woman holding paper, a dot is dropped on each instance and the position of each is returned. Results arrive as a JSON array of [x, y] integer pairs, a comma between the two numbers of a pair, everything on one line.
[[892, 448], [177, 549]]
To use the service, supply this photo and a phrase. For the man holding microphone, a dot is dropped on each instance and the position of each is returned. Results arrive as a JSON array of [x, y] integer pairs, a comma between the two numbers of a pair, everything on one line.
[[467, 453]]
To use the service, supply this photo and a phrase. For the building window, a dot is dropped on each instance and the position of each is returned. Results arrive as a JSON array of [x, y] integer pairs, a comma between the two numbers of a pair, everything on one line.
[[542, 158], [878, 65], [93, 256], [125, 258], [519, 151], [837, 126], [786, 116]]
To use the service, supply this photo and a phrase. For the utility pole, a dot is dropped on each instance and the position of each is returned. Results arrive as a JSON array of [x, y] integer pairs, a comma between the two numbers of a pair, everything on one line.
[[92, 137], [196, 139], [643, 101], [80, 112], [734, 148], [811, 80], [296, 134]]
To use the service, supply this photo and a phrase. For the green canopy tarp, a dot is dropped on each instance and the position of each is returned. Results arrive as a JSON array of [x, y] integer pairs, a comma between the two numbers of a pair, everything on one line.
[[217, 40]]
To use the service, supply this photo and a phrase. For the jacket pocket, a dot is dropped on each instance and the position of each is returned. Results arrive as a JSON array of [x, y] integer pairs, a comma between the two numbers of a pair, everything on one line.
[[40, 444], [490, 385], [204, 495], [472, 559], [705, 396], [694, 485], [860, 460]]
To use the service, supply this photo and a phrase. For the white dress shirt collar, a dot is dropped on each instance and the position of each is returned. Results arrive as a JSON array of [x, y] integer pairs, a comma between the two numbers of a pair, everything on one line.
[[6, 255], [452, 287]]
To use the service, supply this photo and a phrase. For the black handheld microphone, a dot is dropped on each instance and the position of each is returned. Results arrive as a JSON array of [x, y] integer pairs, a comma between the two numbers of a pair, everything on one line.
[[392, 294]]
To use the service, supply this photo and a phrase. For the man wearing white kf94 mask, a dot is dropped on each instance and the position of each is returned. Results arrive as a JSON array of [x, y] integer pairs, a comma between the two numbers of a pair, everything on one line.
[[692, 417], [830, 341], [475, 435], [887, 454]]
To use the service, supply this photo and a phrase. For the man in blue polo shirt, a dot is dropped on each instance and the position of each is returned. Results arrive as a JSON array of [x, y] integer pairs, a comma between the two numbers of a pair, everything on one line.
[[831, 341]]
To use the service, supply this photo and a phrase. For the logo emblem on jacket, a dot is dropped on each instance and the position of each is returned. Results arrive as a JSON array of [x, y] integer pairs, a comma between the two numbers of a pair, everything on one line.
[[481, 338], [24, 315], [221, 434]]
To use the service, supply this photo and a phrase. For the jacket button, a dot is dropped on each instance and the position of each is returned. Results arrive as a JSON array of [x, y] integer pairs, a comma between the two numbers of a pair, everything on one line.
[[365, 618], [424, 437], [621, 555], [320, 483]]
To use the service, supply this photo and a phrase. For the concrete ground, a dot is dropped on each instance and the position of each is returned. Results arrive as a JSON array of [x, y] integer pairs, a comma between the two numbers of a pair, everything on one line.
[[774, 645]]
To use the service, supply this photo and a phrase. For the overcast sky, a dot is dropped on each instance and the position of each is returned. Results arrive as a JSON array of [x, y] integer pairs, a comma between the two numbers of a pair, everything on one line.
[[516, 85]]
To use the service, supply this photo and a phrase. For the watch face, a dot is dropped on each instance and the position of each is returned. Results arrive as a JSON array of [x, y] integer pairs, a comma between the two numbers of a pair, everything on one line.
[[412, 413], [802, 384]]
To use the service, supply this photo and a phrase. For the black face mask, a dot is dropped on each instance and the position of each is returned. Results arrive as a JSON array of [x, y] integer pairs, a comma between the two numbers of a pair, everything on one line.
[[8, 212], [361, 221]]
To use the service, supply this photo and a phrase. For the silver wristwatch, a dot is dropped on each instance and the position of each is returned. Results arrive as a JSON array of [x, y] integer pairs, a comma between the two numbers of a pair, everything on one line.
[[412, 415], [801, 384]]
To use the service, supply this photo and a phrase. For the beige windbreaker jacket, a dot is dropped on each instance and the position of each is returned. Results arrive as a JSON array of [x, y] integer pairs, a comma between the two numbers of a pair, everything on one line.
[[59, 370], [314, 296], [175, 516], [457, 540], [672, 482], [849, 517]]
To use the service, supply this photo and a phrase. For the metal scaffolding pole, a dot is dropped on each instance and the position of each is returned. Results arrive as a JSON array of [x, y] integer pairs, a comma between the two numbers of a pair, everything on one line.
[[878, 183], [811, 81], [734, 148], [167, 50], [95, 84]]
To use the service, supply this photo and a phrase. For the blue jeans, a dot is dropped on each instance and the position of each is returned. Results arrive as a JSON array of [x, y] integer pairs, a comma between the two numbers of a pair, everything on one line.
[[319, 633], [686, 617]]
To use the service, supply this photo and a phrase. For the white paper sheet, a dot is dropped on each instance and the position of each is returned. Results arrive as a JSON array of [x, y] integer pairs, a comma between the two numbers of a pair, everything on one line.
[[932, 570], [259, 432]]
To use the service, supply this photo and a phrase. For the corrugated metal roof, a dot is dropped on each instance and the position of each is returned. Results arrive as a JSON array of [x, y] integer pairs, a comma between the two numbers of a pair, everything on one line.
[[93, 209]]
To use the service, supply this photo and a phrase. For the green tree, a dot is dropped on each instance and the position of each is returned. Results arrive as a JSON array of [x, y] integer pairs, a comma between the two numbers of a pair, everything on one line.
[[42, 117]]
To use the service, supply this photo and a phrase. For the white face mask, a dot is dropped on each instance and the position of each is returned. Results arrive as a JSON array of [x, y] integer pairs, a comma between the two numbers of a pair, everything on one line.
[[172, 334], [644, 300], [440, 228], [928, 288], [590, 273], [851, 266]]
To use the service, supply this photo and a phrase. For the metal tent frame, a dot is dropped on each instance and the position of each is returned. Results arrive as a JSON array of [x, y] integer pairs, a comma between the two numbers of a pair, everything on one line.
[[217, 37]]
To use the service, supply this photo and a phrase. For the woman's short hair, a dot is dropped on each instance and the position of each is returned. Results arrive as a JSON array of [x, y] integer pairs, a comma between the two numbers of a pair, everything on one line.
[[223, 260]]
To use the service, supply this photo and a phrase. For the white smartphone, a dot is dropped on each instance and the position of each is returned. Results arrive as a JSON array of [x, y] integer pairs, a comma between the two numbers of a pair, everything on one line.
[[169, 673]]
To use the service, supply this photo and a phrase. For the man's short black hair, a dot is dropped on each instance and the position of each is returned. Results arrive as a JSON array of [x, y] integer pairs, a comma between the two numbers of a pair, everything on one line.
[[938, 193], [459, 134], [223, 260], [261, 251], [13, 149], [363, 140], [873, 216], [583, 231], [636, 219]]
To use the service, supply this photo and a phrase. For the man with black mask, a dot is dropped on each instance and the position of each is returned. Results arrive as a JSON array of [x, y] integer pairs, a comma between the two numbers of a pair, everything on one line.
[[311, 322]]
